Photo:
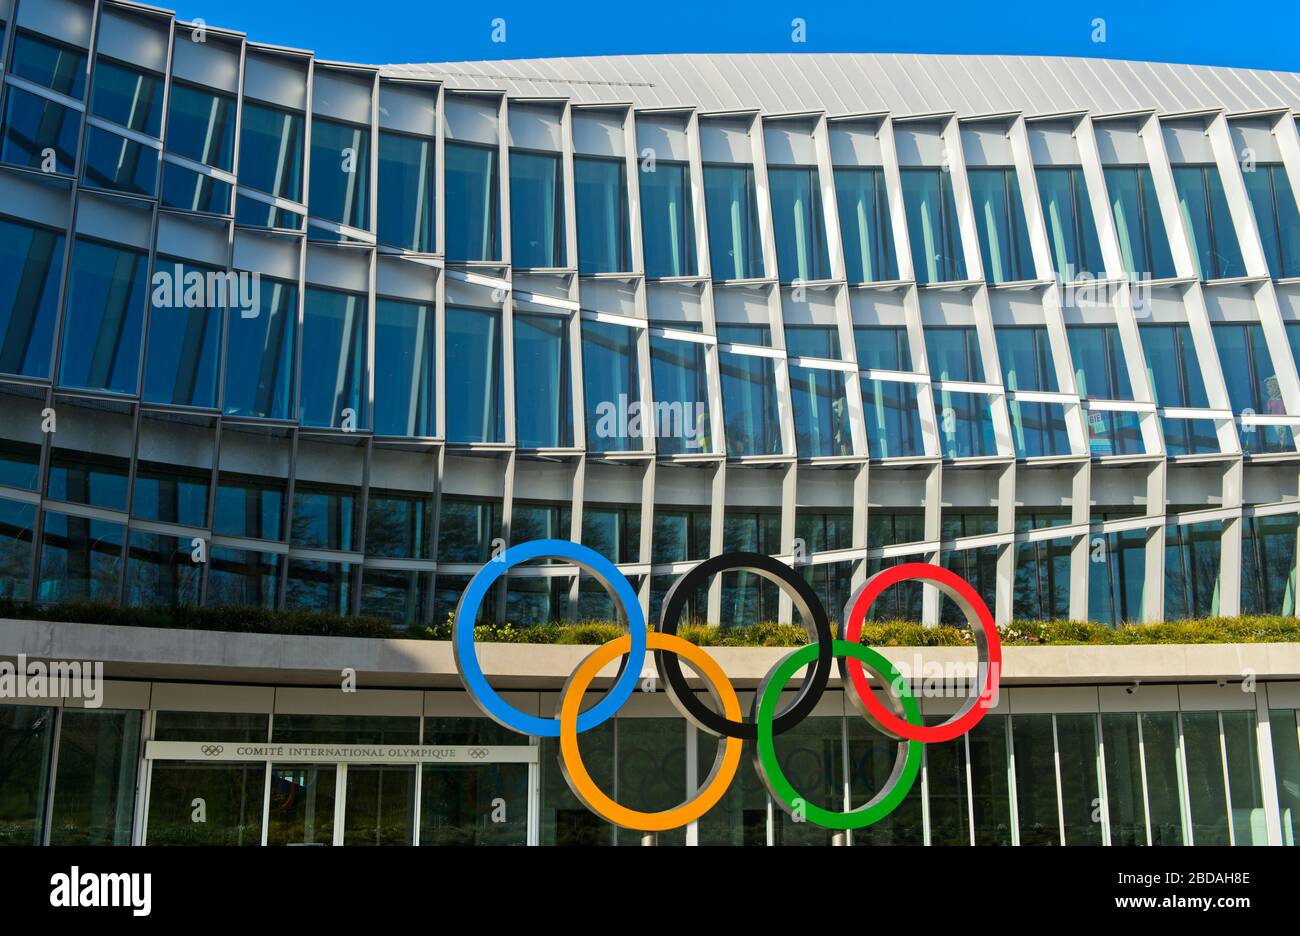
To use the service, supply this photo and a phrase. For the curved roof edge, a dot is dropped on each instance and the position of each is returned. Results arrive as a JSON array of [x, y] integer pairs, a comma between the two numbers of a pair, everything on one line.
[[851, 83]]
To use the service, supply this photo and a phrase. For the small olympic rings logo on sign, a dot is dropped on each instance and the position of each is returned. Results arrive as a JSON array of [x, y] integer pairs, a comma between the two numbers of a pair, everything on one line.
[[211, 750], [899, 720]]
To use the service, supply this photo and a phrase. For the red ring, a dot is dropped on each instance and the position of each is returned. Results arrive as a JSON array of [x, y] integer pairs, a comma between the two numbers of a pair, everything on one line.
[[937, 575]]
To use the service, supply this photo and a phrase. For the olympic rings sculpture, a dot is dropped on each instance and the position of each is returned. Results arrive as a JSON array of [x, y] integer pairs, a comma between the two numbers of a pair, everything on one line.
[[899, 720]]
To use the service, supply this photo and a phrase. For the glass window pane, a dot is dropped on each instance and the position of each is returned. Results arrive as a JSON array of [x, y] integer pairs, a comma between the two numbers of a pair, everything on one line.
[[160, 571], [1041, 589], [600, 191], [127, 96], [231, 795], [464, 805], [816, 341], [1205, 786], [1025, 354], [1249, 825], [865, 225], [1035, 756], [965, 424], [1172, 365], [31, 265], [17, 523], [340, 173], [319, 586], [731, 200], [543, 373], [1143, 243], [302, 805], [407, 184], [681, 396], [190, 191], [1038, 429], [667, 220], [59, 67], [405, 351], [94, 784], [474, 407], [1286, 767], [324, 517], [259, 354], [398, 525], [334, 358], [990, 781], [81, 560], [954, 354], [472, 203], [749, 400], [249, 507], [107, 292], [26, 739], [1286, 215], [799, 224], [201, 125], [871, 761], [536, 210], [1124, 794], [254, 213], [821, 413], [119, 164], [171, 494], [85, 478], [271, 151], [185, 312], [1076, 739], [1204, 209], [883, 349], [893, 419], [1164, 771], [610, 386], [33, 127], [1100, 371], [1268, 565], [396, 596], [932, 226], [1000, 221], [240, 578], [1071, 230]]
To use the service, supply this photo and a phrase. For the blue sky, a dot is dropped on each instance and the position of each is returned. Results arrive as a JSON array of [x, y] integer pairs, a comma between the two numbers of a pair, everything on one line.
[[1257, 34]]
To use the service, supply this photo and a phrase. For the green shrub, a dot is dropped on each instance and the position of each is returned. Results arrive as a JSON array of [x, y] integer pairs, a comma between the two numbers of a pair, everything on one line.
[[1258, 629]]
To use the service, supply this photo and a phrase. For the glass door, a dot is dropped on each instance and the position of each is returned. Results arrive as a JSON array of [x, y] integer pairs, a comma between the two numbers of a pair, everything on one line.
[[302, 804], [379, 804]]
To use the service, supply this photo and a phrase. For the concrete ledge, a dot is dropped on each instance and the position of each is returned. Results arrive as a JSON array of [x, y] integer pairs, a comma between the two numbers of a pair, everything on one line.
[[157, 653]]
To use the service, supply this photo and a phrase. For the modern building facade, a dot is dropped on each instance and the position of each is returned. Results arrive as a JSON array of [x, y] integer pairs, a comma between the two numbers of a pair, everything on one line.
[[298, 334]]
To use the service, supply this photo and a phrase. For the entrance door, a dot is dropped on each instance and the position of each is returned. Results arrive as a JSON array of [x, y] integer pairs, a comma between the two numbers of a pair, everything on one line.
[[302, 804], [379, 804]]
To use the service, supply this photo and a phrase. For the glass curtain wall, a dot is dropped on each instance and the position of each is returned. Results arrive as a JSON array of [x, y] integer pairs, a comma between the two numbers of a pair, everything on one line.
[[1000, 220], [731, 202]]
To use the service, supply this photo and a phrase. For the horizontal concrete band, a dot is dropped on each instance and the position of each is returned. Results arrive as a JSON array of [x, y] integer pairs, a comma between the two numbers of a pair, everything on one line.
[[140, 653]]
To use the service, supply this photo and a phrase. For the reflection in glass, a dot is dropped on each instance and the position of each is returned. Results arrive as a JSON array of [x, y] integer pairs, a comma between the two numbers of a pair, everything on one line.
[[239, 578], [107, 292], [81, 560], [181, 364], [893, 419], [34, 127], [31, 265], [1204, 210], [536, 210], [127, 96], [731, 202], [232, 802], [543, 374], [1276, 217], [610, 379], [259, 354], [1036, 801], [865, 225], [407, 183], [473, 193], [380, 806], [340, 173], [94, 783], [405, 352], [201, 125], [932, 226], [122, 165], [799, 224], [302, 805], [1000, 221], [271, 152], [600, 193], [667, 220], [334, 359], [821, 413], [1071, 230], [749, 401], [26, 736], [681, 392], [474, 408], [1143, 243], [485, 805]]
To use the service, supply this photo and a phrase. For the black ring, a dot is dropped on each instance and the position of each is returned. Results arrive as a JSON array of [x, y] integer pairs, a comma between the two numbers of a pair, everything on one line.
[[815, 620]]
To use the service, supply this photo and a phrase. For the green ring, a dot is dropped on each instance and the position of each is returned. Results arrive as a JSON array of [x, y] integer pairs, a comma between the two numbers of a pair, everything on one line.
[[770, 770]]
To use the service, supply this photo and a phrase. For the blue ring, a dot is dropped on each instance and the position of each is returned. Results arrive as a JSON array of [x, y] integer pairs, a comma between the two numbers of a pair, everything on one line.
[[471, 674]]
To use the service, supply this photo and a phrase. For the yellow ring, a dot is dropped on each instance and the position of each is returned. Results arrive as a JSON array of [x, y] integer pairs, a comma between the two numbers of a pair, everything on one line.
[[575, 771]]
